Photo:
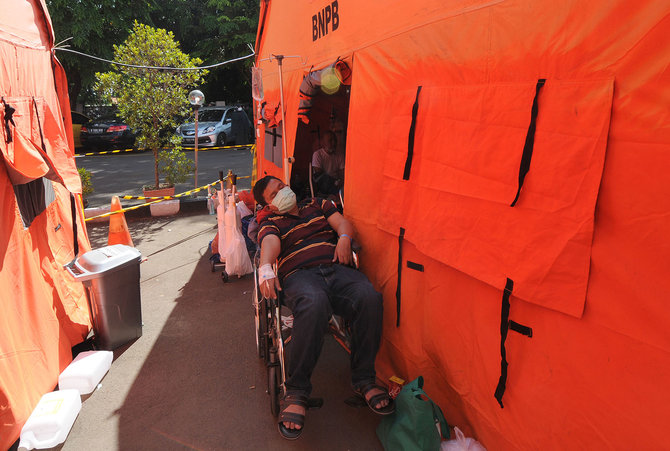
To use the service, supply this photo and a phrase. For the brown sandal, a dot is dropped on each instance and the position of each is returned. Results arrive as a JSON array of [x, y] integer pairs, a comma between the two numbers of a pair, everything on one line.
[[364, 389], [292, 417]]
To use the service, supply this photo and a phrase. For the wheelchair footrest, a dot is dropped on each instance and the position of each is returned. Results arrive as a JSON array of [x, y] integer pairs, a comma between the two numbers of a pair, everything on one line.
[[314, 403]]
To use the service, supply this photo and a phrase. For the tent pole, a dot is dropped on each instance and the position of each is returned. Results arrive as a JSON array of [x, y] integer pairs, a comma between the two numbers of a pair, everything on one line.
[[287, 181]]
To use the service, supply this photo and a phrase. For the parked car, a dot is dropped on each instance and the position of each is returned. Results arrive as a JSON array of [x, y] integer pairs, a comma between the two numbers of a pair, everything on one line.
[[107, 133], [78, 120], [218, 126]]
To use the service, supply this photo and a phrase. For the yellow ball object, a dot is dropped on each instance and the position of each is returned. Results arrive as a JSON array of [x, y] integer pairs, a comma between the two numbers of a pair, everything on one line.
[[330, 81]]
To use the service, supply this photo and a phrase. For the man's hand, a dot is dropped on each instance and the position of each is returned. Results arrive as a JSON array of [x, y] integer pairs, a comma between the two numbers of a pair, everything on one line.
[[343, 250], [267, 279]]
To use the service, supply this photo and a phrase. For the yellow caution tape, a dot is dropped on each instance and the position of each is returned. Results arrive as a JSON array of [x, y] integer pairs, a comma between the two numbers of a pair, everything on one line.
[[200, 149], [155, 200], [106, 152], [185, 193]]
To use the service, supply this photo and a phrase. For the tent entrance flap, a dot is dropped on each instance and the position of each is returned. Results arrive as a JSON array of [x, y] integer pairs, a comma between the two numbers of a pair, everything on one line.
[[468, 148]]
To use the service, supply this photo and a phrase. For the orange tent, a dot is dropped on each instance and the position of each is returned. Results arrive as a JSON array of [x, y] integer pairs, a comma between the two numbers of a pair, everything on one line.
[[506, 170], [44, 312]]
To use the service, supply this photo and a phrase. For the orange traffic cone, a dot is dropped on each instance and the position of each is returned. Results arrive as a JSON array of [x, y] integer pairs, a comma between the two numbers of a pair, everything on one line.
[[118, 228]]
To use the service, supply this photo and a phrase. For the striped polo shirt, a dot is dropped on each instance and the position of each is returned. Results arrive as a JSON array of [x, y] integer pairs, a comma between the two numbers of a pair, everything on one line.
[[306, 239]]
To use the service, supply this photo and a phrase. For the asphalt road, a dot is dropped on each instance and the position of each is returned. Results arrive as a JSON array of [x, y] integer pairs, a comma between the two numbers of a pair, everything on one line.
[[126, 173]]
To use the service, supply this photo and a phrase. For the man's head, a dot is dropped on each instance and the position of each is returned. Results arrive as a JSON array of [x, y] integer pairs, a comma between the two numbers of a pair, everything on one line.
[[266, 189], [329, 141]]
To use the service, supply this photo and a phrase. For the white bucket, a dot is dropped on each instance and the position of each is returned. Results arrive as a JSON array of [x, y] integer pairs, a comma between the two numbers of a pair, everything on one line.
[[86, 371], [51, 420]]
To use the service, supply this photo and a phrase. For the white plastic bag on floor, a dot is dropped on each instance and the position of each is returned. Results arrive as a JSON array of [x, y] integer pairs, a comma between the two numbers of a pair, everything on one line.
[[235, 251], [461, 443]]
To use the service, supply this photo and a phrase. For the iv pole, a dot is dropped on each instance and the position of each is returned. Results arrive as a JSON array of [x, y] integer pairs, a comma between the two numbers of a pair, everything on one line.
[[287, 172]]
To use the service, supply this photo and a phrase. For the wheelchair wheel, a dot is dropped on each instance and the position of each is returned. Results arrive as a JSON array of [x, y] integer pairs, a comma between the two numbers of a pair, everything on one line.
[[273, 382], [260, 320]]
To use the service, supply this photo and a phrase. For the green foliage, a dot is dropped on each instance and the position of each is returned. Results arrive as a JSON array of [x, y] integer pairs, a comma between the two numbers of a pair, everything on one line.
[[174, 164], [86, 184], [215, 31], [150, 101], [92, 25]]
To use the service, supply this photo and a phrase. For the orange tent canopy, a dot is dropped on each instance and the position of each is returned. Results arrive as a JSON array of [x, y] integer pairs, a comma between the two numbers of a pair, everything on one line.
[[44, 312], [505, 171]]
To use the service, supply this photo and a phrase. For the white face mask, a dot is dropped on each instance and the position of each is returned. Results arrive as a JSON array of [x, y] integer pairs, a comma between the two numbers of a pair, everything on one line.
[[284, 200]]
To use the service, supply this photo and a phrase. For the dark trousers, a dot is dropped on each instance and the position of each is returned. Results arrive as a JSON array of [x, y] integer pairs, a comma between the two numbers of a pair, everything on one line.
[[313, 295]]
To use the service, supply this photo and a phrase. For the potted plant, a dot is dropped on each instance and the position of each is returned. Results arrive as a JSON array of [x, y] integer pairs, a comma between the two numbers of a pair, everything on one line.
[[86, 184], [149, 100], [174, 167]]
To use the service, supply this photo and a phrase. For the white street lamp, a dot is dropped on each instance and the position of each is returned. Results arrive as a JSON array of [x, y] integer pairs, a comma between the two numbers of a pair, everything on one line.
[[197, 99]]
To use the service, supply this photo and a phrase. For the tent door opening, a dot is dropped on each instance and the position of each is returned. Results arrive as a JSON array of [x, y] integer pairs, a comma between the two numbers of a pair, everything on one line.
[[328, 119]]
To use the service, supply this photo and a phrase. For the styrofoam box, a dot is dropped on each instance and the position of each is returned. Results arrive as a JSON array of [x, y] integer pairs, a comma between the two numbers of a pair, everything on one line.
[[86, 371]]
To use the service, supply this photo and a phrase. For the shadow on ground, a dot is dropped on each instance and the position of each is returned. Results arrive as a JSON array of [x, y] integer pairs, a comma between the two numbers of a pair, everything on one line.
[[201, 385]]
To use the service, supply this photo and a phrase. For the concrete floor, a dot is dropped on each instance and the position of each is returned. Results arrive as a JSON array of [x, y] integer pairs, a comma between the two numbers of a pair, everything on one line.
[[193, 380]]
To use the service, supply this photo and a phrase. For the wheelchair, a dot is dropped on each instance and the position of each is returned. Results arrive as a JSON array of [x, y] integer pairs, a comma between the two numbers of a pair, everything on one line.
[[273, 322]]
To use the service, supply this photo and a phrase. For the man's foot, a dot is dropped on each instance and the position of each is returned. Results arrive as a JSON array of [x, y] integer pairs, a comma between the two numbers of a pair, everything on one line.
[[292, 416], [376, 397]]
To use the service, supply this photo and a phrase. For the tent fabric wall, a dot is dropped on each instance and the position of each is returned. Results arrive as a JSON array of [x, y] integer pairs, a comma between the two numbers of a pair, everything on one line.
[[44, 311], [586, 244]]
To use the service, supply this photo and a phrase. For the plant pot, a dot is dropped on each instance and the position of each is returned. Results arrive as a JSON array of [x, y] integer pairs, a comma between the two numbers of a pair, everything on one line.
[[164, 208], [158, 193]]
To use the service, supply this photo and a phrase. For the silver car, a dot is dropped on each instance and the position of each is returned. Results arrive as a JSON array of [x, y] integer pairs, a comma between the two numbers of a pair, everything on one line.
[[218, 126]]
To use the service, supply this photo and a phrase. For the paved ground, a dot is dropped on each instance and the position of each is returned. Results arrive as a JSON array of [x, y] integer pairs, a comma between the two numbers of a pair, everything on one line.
[[125, 173], [193, 381]]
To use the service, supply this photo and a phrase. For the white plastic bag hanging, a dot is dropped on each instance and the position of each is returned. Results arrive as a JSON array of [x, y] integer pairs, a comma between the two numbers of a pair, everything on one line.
[[461, 443], [220, 219], [235, 250], [243, 210], [257, 83]]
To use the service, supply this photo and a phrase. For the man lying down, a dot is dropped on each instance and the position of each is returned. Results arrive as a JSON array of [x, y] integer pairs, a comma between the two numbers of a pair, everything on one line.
[[311, 244]]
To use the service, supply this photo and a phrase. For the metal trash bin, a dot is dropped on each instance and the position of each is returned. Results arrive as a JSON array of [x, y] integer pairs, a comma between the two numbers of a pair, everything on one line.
[[112, 277]]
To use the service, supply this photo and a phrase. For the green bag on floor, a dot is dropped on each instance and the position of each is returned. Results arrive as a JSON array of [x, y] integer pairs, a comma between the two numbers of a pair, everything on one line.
[[414, 424]]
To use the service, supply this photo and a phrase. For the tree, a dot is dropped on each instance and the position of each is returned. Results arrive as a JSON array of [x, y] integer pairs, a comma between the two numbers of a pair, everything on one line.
[[92, 25], [215, 31], [150, 101]]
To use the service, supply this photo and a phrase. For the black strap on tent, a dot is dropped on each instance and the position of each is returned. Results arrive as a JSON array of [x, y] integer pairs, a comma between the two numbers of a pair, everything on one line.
[[521, 329], [401, 237], [73, 207], [39, 124], [9, 112], [530, 139], [504, 327], [412, 131], [415, 266]]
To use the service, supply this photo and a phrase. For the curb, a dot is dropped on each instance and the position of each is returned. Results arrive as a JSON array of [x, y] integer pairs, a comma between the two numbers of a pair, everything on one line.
[[186, 206]]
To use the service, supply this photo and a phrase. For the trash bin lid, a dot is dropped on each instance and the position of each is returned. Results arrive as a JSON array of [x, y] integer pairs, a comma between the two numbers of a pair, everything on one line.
[[107, 258]]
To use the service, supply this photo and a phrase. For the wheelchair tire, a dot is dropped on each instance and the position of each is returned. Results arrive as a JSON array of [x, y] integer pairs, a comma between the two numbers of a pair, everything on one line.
[[261, 322], [224, 276], [273, 382]]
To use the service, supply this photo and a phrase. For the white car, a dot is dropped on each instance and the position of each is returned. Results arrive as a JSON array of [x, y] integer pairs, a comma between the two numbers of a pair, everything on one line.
[[218, 126]]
